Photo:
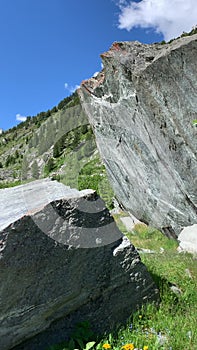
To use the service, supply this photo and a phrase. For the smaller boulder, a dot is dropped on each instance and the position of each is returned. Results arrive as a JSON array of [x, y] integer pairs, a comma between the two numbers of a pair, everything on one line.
[[64, 261], [188, 239]]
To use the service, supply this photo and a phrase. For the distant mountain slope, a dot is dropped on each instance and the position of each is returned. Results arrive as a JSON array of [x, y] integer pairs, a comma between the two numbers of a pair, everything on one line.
[[59, 144]]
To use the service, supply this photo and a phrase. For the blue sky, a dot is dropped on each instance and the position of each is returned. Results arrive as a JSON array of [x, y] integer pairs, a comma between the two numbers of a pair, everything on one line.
[[47, 47]]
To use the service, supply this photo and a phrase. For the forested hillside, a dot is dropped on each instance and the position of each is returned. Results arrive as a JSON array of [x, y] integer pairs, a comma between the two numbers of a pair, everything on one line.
[[58, 144]]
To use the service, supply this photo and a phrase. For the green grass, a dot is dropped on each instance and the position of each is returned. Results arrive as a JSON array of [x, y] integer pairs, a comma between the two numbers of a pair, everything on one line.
[[151, 238], [12, 184], [172, 324]]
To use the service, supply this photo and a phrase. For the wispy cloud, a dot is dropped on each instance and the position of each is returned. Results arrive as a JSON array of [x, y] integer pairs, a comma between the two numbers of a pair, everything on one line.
[[71, 88], [169, 17], [20, 117]]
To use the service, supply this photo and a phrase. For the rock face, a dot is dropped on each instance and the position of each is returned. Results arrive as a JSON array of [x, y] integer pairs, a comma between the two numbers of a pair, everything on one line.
[[62, 261], [141, 106]]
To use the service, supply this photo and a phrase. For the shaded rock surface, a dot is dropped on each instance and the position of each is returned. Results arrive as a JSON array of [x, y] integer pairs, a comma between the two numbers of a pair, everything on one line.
[[62, 261], [141, 106]]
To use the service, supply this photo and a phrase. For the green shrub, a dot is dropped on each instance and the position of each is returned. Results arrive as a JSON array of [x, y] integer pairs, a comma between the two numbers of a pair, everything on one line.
[[49, 166]]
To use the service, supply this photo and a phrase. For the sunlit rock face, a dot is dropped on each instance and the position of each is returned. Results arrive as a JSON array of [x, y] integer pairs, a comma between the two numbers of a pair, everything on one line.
[[63, 261], [141, 106]]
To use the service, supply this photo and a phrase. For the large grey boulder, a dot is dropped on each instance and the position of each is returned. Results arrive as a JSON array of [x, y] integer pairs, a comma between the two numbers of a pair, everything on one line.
[[62, 261], [141, 106]]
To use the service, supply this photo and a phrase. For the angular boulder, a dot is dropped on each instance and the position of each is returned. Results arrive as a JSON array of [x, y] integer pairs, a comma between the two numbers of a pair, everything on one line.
[[63, 261], [141, 106]]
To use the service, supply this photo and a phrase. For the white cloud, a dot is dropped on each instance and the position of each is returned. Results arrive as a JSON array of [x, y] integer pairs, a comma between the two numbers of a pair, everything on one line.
[[70, 88], [95, 74], [20, 118], [169, 17]]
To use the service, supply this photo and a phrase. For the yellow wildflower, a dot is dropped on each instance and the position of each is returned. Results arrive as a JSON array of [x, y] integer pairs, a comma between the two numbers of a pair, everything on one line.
[[128, 346], [145, 347], [106, 346]]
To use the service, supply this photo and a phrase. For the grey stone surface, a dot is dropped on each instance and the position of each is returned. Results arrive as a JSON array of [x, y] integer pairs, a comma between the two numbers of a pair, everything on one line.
[[31, 197], [188, 239], [61, 263], [129, 222], [141, 106]]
